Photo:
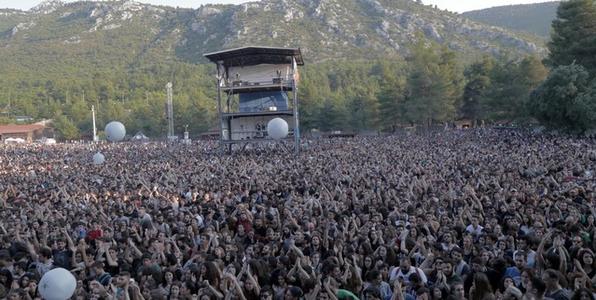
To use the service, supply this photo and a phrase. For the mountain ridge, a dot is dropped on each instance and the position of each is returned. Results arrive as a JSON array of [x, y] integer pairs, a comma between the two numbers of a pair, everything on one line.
[[324, 29], [533, 18]]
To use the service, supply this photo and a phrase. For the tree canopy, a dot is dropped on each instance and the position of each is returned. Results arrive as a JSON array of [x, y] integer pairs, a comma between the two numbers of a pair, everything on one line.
[[565, 99], [573, 37]]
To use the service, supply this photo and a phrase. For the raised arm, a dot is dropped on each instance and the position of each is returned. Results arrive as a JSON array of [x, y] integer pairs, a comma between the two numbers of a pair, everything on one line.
[[213, 290], [253, 280], [71, 245], [330, 291], [236, 285], [397, 293], [134, 248]]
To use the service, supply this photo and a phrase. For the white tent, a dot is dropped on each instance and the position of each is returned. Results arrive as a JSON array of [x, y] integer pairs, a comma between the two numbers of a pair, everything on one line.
[[140, 137], [14, 141]]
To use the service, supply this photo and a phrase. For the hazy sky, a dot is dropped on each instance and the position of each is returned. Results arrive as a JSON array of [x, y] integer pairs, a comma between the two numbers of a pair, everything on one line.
[[452, 5]]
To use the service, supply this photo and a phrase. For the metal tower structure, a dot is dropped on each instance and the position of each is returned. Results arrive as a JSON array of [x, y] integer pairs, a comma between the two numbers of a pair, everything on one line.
[[170, 111], [254, 86]]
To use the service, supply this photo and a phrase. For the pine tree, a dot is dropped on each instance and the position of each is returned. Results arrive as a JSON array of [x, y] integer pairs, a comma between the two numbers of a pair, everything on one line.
[[391, 101], [565, 99], [363, 107], [451, 80], [66, 128], [511, 85], [391, 93], [478, 77], [531, 74], [434, 84], [332, 115], [573, 37]]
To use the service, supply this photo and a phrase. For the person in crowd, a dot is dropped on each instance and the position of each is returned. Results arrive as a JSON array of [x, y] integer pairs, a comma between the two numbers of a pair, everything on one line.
[[477, 214]]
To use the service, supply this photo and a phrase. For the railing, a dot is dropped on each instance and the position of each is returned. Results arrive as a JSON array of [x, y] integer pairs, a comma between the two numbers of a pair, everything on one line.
[[252, 134], [279, 81]]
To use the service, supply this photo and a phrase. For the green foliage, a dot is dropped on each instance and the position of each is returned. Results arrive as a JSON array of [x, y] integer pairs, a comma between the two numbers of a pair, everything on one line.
[[511, 85], [391, 99], [573, 39], [5, 120], [531, 73], [357, 96], [339, 95], [65, 128], [476, 89], [392, 92], [433, 85], [584, 109], [333, 116], [565, 99]]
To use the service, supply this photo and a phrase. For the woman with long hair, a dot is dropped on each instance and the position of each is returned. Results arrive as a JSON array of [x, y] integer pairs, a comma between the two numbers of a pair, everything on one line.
[[351, 280], [583, 294], [438, 293], [6, 279], [526, 275], [367, 264], [174, 291], [447, 242], [481, 289], [386, 254], [168, 279], [585, 263], [278, 282]]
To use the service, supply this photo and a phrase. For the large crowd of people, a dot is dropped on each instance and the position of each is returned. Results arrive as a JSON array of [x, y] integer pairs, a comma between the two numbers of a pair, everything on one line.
[[477, 214]]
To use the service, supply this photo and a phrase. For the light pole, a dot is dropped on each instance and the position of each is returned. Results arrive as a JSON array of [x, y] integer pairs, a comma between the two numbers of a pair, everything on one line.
[[94, 128], [170, 111]]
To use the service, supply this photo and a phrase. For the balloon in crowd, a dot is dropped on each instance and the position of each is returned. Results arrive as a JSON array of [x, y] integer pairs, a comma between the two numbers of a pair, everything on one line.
[[57, 284], [115, 131], [98, 158], [277, 128]]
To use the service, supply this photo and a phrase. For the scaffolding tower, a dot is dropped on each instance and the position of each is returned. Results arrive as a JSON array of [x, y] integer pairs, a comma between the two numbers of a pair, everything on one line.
[[254, 86]]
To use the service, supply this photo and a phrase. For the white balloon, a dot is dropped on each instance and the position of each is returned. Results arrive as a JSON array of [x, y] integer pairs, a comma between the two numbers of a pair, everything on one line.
[[115, 131], [57, 284], [98, 158], [277, 128]]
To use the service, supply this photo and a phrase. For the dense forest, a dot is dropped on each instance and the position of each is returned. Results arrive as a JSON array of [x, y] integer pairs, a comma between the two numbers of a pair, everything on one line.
[[429, 86]]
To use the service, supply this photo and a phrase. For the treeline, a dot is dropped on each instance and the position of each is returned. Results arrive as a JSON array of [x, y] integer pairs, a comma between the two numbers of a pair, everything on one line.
[[430, 86], [567, 98], [136, 97]]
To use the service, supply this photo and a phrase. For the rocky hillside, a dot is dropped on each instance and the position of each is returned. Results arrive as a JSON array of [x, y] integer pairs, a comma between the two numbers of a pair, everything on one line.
[[529, 18], [127, 33]]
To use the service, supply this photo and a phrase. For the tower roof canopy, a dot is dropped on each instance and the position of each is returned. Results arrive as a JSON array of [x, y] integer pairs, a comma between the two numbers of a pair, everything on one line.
[[250, 56]]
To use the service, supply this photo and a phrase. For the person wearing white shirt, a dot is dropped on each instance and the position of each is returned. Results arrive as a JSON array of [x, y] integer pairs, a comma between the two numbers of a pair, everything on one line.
[[475, 228], [404, 271]]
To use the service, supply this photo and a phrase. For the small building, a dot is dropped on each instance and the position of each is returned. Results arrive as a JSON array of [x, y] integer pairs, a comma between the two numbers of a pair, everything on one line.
[[211, 134], [340, 134], [23, 119], [29, 132], [464, 124]]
